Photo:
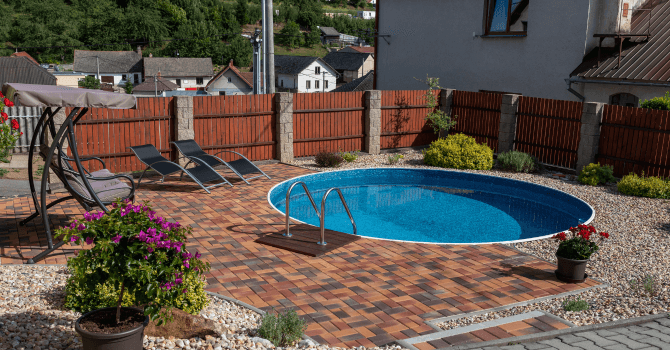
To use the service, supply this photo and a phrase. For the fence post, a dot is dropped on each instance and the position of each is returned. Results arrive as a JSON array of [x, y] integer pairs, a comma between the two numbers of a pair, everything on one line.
[[373, 121], [284, 110], [184, 120], [507, 130], [446, 100], [589, 134]]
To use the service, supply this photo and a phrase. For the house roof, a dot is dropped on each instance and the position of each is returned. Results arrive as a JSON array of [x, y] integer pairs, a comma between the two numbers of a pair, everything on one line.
[[329, 31], [26, 55], [346, 60], [110, 61], [160, 85], [296, 64], [362, 49], [360, 84], [178, 67], [232, 68], [23, 70], [641, 59]]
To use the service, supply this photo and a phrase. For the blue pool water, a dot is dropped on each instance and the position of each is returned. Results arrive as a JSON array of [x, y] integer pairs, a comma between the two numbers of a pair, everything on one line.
[[434, 206]]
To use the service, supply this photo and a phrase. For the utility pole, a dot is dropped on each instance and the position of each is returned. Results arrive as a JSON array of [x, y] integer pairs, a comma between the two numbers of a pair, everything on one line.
[[270, 52], [264, 61], [155, 87], [97, 61], [256, 42]]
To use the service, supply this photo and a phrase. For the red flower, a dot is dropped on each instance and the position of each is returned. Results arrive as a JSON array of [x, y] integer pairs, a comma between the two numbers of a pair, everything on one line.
[[560, 236], [4, 116], [8, 103], [15, 124], [605, 234], [1, 95]]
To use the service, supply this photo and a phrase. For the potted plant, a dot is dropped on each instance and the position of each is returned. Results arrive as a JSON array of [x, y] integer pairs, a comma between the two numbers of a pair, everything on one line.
[[573, 253], [143, 255]]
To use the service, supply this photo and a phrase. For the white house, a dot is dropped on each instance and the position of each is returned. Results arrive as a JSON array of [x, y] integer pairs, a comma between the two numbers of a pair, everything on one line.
[[304, 74], [366, 14], [112, 67], [520, 46], [230, 81], [187, 73]]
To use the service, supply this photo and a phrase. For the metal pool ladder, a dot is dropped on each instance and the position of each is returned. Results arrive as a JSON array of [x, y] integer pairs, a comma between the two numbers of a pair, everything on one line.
[[322, 215]]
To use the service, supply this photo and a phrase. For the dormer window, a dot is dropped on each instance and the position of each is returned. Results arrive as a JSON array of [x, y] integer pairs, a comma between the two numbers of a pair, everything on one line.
[[506, 17]]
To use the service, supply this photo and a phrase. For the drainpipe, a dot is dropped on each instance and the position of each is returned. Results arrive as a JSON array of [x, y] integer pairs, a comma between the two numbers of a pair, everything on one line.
[[610, 82], [573, 91]]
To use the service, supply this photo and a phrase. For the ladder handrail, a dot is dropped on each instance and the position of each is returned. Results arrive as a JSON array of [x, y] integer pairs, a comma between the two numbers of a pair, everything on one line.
[[323, 214], [288, 199]]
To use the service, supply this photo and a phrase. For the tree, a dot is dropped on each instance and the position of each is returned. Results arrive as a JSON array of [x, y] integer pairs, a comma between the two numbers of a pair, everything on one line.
[[129, 85], [242, 12], [290, 35], [239, 50], [90, 82], [313, 37]]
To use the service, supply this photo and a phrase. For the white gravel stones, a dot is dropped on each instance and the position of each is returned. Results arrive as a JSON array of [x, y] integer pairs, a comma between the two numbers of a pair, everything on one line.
[[639, 244]]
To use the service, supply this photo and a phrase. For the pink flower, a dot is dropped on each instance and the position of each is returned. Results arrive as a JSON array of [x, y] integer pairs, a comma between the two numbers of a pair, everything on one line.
[[117, 239], [74, 239], [89, 240], [81, 227]]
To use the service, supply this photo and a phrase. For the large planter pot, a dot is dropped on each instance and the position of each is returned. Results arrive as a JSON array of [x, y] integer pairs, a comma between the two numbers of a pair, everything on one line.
[[131, 339], [571, 271]]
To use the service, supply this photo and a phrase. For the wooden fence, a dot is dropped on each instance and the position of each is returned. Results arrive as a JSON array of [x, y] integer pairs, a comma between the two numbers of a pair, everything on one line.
[[403, 119], [477, 114], [328, 122], [635, 140], [549, 130]]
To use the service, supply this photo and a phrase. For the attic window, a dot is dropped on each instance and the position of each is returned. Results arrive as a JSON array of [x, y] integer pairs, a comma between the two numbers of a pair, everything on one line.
[[230, 80], [506, 17], [317, 70]]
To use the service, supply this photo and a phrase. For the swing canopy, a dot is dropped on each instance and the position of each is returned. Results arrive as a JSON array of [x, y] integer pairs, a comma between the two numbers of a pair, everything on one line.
[[30, 95]]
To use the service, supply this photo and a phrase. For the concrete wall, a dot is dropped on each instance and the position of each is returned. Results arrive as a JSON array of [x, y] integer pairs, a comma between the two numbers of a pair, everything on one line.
[[602, 92], [236, 86], [436, 39]]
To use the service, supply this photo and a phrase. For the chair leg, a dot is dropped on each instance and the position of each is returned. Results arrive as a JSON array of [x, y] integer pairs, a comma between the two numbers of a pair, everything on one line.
[[36, 214], [140, 180], [43, 254]]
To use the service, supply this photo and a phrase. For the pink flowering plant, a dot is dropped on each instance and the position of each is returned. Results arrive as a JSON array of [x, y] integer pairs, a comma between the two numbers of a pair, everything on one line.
[[141, 253], [581, 244]]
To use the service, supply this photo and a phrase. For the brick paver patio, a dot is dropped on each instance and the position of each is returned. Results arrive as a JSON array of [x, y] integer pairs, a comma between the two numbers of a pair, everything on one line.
[[368, 293]]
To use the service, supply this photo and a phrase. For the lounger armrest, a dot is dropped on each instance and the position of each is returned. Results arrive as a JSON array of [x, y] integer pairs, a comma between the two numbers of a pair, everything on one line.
[[239, 154]]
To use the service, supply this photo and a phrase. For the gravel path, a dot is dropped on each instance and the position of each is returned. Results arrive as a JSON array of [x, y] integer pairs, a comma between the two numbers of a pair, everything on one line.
[[639, 246]]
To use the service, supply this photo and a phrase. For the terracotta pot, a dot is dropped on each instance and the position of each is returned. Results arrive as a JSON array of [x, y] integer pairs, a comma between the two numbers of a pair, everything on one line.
[[571, 271], [131, 340]]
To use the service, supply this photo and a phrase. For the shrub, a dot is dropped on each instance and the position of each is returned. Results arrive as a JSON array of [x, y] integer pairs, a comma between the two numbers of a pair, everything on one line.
[[350, 156], [652, 187], [517, 161], [81, 297], [575, 305], [328, 159], [660, 103], [595, 174], [459, 151], [394, 159], [440, 121], [90, 83], [282, 329]]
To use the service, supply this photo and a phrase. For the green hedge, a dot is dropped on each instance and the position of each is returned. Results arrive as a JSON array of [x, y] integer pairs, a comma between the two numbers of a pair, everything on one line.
[[652, 186], [459, 151], [660, 103], [594, 174]]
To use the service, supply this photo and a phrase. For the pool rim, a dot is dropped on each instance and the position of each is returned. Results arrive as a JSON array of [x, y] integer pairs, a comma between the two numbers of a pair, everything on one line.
[[294, 220]]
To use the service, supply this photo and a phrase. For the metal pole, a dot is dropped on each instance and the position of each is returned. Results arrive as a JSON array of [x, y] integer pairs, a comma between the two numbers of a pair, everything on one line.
[[155, 87], [264, 49], [97, 61], [270, 53]]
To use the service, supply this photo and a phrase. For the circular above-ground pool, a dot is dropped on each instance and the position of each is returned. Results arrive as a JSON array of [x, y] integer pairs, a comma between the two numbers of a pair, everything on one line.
[[433, 206]]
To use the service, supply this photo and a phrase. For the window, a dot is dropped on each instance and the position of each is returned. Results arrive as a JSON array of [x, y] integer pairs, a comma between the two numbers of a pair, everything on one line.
[[308, 84], [282, 82], [325, 84], [179, 82], [124, 77], [507, 17], [198, 81], [624, 99], [317, 70], [230, 80], [137, 79], [316, 84]]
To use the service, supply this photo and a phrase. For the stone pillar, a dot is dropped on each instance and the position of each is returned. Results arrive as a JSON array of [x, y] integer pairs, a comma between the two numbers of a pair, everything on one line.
[[589, 134], [446, 99], [373, 121], [507, 130], [284, 110], [184, 120]]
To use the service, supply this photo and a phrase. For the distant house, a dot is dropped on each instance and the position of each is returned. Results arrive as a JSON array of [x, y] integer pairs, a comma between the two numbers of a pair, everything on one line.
[[26, 55], [187, 73], [359, 49], [350, 65], [23, 70], [159, 87], [304, 74], [335, 14], [69, 79], [230, 81], [111, 67], [329, 34], [366, 14], [363, 83]]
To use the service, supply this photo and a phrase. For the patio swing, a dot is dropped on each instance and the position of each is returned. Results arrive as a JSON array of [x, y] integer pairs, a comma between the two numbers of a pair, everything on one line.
[[91, 189]]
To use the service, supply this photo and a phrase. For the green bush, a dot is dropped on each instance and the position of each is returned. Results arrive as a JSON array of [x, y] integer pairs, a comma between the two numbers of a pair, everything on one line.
[[395, 158], [328, 159], [83, 298], [660, 103], [575, 305], [350, 156], [459, 151], [652, 186], [282, 329], [595, 174], [517, 161]]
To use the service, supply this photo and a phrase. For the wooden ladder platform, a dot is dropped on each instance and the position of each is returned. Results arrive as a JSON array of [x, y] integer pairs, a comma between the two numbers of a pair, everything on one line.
[[304, 240]]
